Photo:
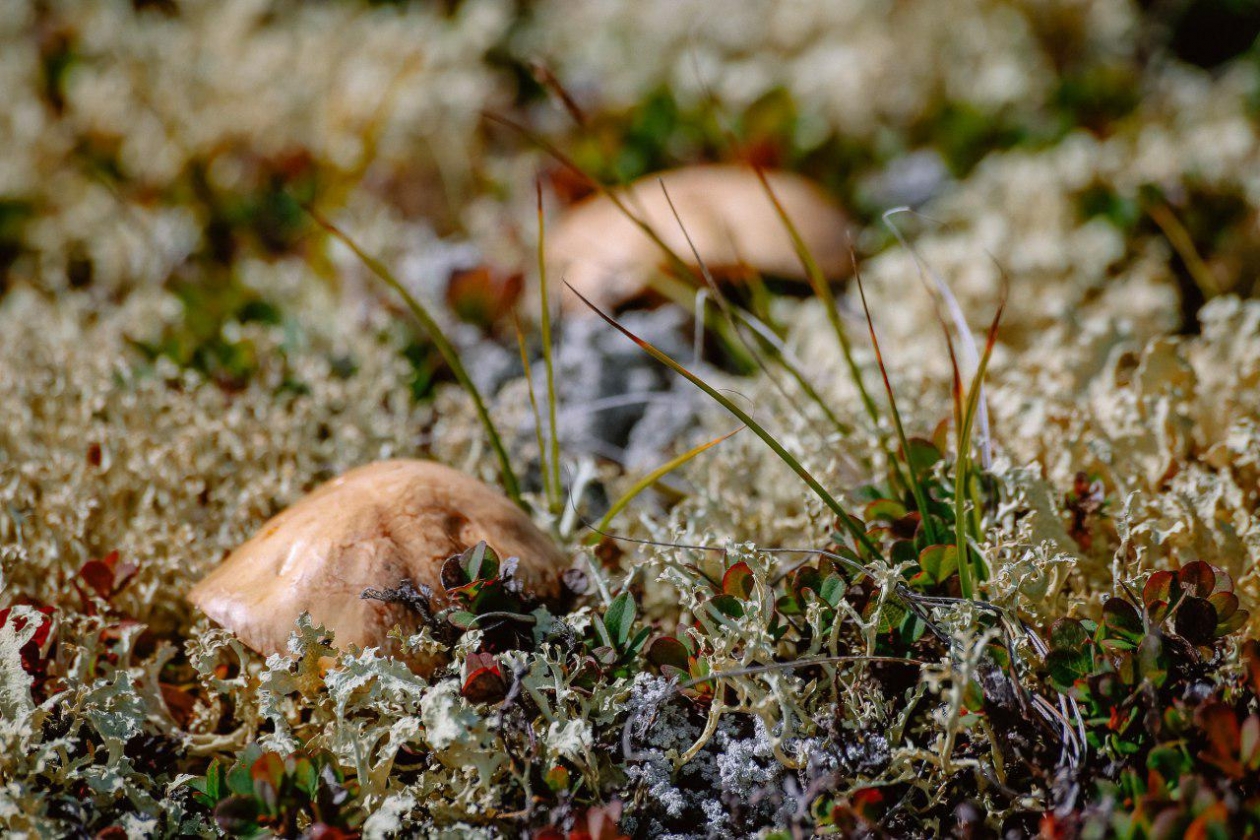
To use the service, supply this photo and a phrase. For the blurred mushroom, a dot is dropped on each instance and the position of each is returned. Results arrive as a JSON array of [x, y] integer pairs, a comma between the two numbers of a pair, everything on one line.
[[728, 215], [373, 527]]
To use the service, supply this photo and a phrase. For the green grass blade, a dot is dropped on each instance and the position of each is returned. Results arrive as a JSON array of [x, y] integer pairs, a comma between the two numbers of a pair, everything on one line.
[[787, 457], [823, 290], [669, 287], [601, 187], [548, 488], [962, 478], [547, 358], [654, 476], [510, 482], [728, 311], [798, 376], [920, 498]]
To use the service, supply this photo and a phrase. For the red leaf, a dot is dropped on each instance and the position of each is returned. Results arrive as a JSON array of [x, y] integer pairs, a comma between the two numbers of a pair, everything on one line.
[[1197, 577], [107, 577], [268, 768], [1251, 658], [668, 651], [1159, 587], [738, 581], [99, 577], [866, 801], [1220, 724], [483, 681], [601, 823]]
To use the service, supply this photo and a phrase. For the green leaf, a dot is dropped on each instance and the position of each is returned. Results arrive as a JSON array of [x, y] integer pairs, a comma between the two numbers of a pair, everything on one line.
[[973, 696], [1159, 587], [557, 778], [619, 619], [1169, 762], [903, 551], [305, 776], [239, 780], [832, 590], [1066, 666], [480, 562], [788, 605], [601, 630], [697, 668], [890, 617], [1150, 660], [1225, 604], [1122, 620], [912, 628], [1229, 625], [939, 562], [922, 455], [636, 644], [462, 619], [726, 605], [213, 787], [1068, 634], [268, 768], [887, 510]]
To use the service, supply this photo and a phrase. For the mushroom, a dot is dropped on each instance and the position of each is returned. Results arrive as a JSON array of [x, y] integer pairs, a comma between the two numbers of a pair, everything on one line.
[[374, 526], [728, 215]]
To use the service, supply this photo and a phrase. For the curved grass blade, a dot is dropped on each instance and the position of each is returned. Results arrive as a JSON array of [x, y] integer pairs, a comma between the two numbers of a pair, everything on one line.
[[962, 478], [787, 457], [670, 287], [920, 498], [511, 484], [728, 311], [970, 354], [793, 367], [548, 488], [823, 291], [654, 476], [547, 355]]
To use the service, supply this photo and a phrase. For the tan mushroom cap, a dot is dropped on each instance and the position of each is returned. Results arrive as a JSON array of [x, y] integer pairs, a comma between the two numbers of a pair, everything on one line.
[[728, 215], [371, 527]]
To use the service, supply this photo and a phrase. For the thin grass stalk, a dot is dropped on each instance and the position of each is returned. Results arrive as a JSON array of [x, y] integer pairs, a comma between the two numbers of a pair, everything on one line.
[[547, 355], [962, 477], [602, 188], [787, 457], [823, 291], [943, 294], [798, 376], [669, 289], [728, 311], [651, 478], [511, 484], [550, 490], [916, 488]]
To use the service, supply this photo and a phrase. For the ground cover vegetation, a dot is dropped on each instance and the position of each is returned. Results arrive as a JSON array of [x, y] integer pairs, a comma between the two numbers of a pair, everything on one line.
[[965, 545]]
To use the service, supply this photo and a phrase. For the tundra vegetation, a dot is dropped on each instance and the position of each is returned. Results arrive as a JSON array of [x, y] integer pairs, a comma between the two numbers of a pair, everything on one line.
[[942, 524]]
